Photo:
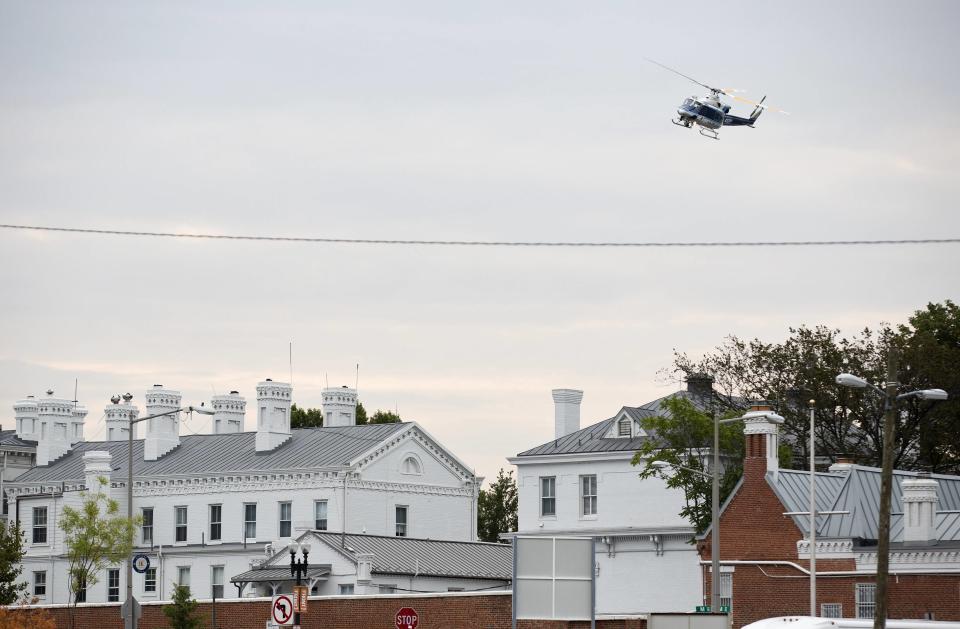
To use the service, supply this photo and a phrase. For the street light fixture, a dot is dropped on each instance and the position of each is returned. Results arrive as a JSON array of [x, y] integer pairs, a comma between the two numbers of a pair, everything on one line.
[[715, 495], [298, 567], [890, 399], [133, 420]]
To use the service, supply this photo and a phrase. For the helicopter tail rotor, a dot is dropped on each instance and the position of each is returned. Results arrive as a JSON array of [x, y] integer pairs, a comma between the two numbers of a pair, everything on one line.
[[757, 111]]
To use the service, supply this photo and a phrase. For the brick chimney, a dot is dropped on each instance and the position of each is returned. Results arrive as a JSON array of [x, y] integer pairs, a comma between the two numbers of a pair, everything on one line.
[[762, 436], [920, 509]]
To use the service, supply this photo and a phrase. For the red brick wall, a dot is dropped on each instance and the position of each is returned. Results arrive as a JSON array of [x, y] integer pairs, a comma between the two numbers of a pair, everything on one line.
[[753, 527], [440, 612]]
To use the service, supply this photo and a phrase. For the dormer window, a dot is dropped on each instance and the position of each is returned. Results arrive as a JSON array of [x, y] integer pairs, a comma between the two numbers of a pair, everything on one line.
[[624, 428]]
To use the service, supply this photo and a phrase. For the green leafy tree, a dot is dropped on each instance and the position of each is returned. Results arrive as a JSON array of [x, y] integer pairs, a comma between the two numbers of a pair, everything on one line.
[[305, 417], [385, 417], [497, 508], [361, 413], [95, 535], [182, 613], [11, 554]]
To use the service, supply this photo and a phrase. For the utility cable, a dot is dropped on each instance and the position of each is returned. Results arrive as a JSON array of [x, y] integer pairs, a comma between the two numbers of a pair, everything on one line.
[[492, 243]]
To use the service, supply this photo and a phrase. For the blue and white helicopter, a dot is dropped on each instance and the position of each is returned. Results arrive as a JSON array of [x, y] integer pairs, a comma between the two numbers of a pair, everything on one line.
[[710, 113]]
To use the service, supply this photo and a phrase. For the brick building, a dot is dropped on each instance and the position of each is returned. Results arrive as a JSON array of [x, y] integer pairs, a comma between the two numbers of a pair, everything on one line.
[[765, 554]]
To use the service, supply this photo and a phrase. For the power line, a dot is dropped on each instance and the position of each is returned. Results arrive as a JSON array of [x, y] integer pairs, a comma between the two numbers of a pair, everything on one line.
[[492, 243]]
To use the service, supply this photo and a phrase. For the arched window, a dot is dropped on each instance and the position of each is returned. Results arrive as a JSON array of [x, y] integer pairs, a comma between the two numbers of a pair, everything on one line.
[[411, 465], [624, 428]]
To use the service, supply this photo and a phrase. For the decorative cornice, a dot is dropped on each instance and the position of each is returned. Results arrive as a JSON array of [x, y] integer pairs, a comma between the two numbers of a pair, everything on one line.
[[826, 549], [913, 558]]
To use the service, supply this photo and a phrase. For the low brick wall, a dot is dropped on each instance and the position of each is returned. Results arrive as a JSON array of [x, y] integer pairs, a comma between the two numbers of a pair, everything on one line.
[[440, 611]]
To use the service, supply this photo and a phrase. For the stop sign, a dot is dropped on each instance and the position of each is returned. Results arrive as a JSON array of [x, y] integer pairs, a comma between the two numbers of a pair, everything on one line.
[[407, 618]]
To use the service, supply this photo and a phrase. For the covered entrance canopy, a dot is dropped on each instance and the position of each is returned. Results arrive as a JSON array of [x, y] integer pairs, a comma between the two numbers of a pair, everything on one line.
[[275, 577]]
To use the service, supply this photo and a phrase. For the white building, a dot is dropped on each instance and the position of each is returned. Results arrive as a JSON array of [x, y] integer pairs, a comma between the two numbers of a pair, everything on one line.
[[217, 505], [581, 482]]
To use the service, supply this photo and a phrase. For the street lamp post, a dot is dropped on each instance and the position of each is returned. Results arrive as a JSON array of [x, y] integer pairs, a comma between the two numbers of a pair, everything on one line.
[[133, 420], [298, 568], [890, 399], [715, 496]]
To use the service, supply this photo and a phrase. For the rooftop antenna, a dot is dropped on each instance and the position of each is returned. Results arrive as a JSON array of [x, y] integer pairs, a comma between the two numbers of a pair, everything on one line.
[[291, 363], [356, 384], [327, 378], [75, 384]]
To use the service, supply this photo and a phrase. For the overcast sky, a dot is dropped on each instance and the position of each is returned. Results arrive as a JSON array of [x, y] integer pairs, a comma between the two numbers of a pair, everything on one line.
[[452, 120]]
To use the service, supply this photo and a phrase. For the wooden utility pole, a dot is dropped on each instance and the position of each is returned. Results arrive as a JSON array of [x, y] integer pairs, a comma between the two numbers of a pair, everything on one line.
[[886, 489]]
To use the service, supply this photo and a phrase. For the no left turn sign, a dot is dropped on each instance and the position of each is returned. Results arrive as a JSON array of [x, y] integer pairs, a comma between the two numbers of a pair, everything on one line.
[[282, 609]]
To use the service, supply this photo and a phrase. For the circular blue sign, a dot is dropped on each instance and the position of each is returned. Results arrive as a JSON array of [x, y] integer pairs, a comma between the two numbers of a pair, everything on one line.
[[141, 563]]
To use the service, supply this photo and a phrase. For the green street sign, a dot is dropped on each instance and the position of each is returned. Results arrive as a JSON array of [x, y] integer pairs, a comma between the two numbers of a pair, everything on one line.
[[703, 609], [724, 609]]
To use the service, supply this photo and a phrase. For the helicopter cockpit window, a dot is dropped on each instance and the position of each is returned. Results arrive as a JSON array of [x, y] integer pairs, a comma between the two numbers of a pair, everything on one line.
[[711, 114]]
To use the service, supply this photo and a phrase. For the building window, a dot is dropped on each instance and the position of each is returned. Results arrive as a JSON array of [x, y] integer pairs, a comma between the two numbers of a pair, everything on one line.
[[113, 585], [216, 581], [286, 513], [40, 583], [623, 427], [250, 520], [401, 521], [320, 515], [588, 495], [146, 531], [866, 600], [411, 466], [180, 524], [150, 580], [548, 495], [183, 576], [80, 596], [346, 588], [39, 525], [726, 590], [831, 610], [216, 521], [387, 589]]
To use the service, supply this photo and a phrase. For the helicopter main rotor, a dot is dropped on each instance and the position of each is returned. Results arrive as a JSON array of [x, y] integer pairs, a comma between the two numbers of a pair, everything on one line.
[[728, 91]]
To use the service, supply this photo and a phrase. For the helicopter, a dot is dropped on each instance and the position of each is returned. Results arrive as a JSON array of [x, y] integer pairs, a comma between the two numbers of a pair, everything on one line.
[[710, 113]]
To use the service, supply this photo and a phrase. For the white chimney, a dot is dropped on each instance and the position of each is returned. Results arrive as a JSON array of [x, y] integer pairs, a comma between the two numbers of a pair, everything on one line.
[[566, 411], [79, 414], [96, 464], [364, 573], [273, 414], [843, 465], [55, 415], [118, 418], [919, 509], [339, 406], [28, 421], [228, 413], [163, 433]]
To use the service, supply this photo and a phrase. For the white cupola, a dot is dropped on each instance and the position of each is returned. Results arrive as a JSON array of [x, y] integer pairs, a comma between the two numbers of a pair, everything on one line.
[[339, 406], [55, 415], [118, 417], [79, 415], [273, 414], [919, 509], [163, 433], [228, 413], [566, 411], [96, 465], [28, 421]]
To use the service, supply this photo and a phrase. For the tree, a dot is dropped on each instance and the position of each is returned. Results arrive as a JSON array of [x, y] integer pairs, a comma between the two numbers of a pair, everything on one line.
[[305, 417], [497, 508], [361, 413], [848, 421], [182, 613], [11, 554], [95, 535], [22, 616], [385, 417]]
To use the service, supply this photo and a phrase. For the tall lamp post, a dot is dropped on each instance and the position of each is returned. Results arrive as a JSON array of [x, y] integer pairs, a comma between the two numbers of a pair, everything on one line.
[[715, 501], [133, 420], [298, 568], [890, 399]]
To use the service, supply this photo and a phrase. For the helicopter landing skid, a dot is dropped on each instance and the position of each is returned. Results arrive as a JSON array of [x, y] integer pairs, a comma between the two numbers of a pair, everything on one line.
[[709, 133], [681, 122]]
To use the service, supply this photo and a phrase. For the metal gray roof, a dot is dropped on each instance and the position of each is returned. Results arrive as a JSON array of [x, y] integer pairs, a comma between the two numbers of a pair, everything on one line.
[[425, 557], [212, 454], [275, 575], [858, 491], [591, 439], [10, 438]]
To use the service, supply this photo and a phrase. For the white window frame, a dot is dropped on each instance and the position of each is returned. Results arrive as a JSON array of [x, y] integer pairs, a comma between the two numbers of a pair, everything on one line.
[[288, 521], [249, 526], [588, 501], [865, 608], [218, 522], [214, 581], [146, 530], [113, 591], [401, 529], [726, 590], [39, 530], [831, 610], [551, 496], [345, 589], [40, 581], [150, 580], [317, 520], [183, 571], [178, 525], [625, 422]]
